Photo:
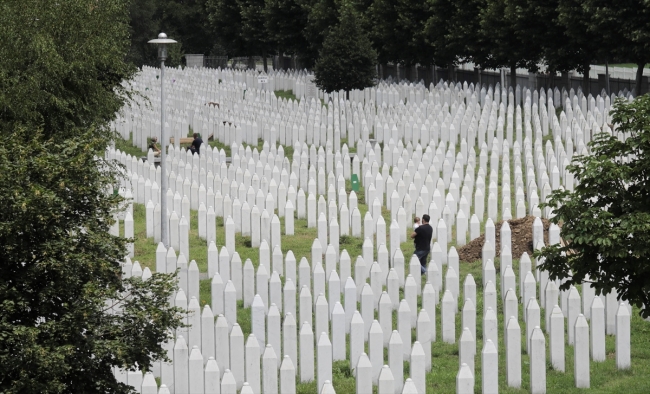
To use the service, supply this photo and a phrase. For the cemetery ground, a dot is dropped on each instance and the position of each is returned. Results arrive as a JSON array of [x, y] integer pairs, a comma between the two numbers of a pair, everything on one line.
[[605, 377]]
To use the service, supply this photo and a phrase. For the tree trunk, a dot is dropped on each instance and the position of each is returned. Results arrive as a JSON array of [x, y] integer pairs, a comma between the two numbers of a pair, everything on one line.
[[408, 72], [639, 79], [266, 63], [451, 75], [513, 77], [585, 79]]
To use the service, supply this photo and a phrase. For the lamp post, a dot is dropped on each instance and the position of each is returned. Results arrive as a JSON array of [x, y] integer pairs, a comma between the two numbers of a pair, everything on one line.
[[162, 41]]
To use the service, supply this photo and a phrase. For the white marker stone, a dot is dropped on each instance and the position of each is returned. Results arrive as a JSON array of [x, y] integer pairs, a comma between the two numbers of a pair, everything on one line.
[[464, 380], [556, 339], [581, 352], [237, 363], [513, 353], [269, 371], [623, 337], [396, 359], [364, 375], [306, 353], [338, 332], [448, 318], [537, 362], [252, 365], [376, 349], [404, 327], [597, 330], [287, 376], [386, 383]]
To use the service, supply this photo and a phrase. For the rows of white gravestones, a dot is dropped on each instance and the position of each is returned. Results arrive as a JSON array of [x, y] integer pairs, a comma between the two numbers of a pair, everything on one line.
[[304, 314], [412, 113]]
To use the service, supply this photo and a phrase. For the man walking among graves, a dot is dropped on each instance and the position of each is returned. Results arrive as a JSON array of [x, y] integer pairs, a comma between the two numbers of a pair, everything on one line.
[[422, 240]]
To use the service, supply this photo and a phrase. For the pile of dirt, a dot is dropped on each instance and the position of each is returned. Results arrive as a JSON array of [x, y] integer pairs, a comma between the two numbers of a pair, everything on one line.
[[521, 235]]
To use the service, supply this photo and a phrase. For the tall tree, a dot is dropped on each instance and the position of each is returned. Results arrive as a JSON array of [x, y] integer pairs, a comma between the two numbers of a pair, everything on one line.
[[322, 15], [258, 41], [347, 60], [584, 45], [438, 33], [285, 23], [187, 21], [605, 219], [386, 39], [144, 25], [226, 21], [510, 28], [397, 31], [60, 84], [454, 31], [624, 23]]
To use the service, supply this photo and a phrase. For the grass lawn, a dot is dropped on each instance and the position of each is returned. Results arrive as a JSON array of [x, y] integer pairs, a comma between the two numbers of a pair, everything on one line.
[[605, 378]]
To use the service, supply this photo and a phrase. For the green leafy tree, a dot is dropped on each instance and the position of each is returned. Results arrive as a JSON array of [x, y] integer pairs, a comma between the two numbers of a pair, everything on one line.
[[322, 16], [144, 25], [60, 84], [187, 21], [624, 23], [258, 41], [285, 23], [605, 221], [438, 30], [509, 27], [396, 28], [584, 45], [454, 31], [225, 20], [347, 60], [386, 40]]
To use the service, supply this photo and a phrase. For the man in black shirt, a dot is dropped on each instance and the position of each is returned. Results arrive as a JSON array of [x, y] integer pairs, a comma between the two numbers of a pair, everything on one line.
[[422, 240], [196, 144]]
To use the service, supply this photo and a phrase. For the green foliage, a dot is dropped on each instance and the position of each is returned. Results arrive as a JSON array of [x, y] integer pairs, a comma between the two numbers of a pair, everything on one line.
[[631, 38], [606, 219], [509, 26], [347, 60], [225, 20], [61, 272], [454, 31], [396, 29], [322, 16], [62, 63], [185, 21], [60, 84], [288, 37], [254, 33]]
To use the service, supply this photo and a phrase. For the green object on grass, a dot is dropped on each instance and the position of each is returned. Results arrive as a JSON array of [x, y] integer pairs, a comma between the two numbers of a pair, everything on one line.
[[355, 182]]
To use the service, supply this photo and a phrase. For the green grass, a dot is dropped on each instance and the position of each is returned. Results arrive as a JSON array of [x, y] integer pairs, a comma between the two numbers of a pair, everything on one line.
[[127, 146], [605, 378], [286, 94]]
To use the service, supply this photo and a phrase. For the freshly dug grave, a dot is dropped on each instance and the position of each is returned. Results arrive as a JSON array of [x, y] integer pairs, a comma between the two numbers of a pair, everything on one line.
[[521, 234]]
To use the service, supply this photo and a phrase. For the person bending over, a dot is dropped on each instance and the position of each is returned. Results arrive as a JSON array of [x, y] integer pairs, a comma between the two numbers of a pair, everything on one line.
[[422, 240], [196, 144], [154, 147]]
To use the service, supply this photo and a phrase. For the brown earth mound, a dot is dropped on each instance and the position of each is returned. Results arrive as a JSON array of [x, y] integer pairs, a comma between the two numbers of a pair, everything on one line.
[[521, 235]]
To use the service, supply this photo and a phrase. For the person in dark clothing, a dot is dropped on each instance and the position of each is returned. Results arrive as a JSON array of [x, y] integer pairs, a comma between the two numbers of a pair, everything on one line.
[[422, 240], [196, 144]]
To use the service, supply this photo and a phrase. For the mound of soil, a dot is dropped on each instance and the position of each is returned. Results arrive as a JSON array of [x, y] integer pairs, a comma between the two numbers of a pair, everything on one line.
[[521, 235]]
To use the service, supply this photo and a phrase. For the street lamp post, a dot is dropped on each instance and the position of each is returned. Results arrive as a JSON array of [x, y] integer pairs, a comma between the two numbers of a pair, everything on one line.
[[162, 41]]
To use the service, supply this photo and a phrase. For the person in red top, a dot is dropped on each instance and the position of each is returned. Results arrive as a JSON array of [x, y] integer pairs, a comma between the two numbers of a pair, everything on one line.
[[422, 240]]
